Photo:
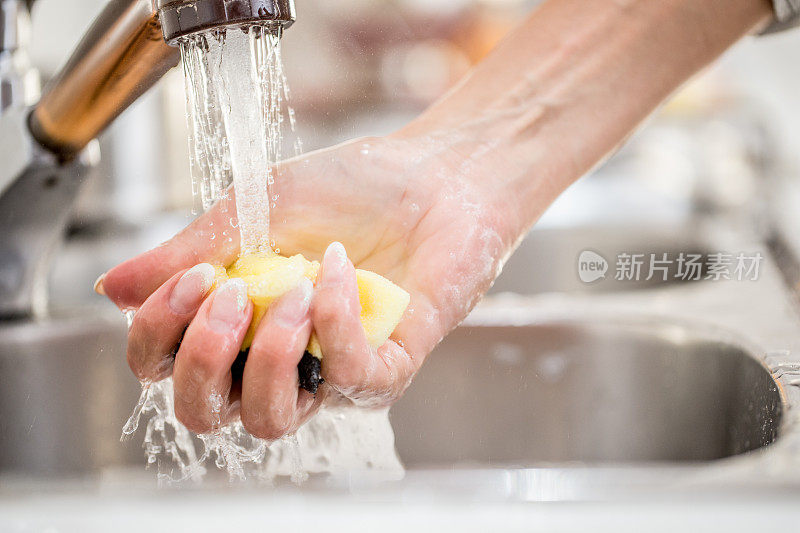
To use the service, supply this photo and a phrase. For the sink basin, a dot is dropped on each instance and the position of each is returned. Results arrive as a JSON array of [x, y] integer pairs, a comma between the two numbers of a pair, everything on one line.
[[604, 392], [65, 393], [547, 259], [555, 392]]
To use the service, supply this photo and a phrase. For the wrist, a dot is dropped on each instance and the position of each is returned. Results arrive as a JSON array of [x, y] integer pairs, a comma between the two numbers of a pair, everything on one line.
[[561, 93], [459, 163], [516, 178]]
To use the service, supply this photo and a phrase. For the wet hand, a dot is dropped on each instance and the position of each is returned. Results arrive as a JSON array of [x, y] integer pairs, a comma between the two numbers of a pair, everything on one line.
[[405, 211]]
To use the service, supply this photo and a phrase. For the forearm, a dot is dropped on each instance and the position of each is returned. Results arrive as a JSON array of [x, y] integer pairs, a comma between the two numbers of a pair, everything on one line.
[[569, 85]]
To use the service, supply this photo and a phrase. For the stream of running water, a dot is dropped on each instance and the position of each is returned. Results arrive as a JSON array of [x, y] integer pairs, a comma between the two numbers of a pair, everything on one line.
[[237, 101]]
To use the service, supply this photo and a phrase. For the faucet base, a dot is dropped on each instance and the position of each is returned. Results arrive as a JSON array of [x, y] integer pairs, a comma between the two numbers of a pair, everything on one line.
[[35, 205]]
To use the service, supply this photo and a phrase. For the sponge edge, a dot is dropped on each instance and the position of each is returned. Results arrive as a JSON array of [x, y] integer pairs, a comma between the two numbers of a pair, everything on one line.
[[382, 306], [269, 276]]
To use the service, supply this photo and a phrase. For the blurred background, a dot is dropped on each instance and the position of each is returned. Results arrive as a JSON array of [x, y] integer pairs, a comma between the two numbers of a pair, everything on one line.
[[366, 67]]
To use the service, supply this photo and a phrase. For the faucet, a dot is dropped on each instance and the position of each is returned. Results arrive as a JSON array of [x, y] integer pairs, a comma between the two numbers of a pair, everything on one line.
[[48, 149]]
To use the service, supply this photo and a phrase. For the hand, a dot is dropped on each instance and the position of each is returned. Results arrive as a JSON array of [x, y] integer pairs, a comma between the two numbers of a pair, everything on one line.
[[401, 208]]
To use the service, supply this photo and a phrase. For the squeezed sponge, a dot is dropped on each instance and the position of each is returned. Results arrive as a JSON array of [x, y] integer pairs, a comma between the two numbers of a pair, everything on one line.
[[269, 276]]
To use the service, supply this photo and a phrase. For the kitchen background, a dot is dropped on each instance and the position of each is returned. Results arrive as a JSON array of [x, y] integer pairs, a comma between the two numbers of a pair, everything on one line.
[[366, 67]]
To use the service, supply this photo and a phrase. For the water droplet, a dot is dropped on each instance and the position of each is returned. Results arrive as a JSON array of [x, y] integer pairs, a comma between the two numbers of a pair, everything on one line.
[[129, 314]]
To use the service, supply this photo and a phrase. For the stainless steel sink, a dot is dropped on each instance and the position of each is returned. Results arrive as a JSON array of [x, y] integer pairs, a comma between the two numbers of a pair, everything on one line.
[[599, 392], [571, 395], [488, 396], [65, 392]]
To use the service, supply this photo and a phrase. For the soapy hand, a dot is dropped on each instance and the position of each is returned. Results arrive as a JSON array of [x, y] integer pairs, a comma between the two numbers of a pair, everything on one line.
[[405, 209]]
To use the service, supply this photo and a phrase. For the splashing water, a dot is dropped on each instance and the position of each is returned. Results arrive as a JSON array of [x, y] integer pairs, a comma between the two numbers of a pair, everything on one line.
[[337, 439], [237, 97]]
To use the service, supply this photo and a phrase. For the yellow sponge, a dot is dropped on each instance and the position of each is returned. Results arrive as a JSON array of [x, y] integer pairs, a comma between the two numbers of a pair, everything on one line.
[[269, 276]]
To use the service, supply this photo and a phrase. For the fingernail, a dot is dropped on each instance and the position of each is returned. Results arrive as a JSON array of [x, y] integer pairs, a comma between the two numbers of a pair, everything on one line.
[[230, 301], [292, 309], [188, 293], [334, 264], [98, 285]]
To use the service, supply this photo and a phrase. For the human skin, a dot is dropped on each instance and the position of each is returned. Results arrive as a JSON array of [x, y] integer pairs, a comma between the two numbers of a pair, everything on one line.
[[436, 207]]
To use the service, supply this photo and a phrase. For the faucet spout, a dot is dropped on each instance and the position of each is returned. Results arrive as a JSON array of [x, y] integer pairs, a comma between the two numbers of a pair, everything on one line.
[[184, 17], [124, 53], [42, 152]]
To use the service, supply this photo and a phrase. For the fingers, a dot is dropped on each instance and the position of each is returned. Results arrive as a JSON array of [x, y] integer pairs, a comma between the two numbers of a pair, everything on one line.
[[202, 377], [272, 402], [335, 311], [159, 324], [349, 364], [129, 284]]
